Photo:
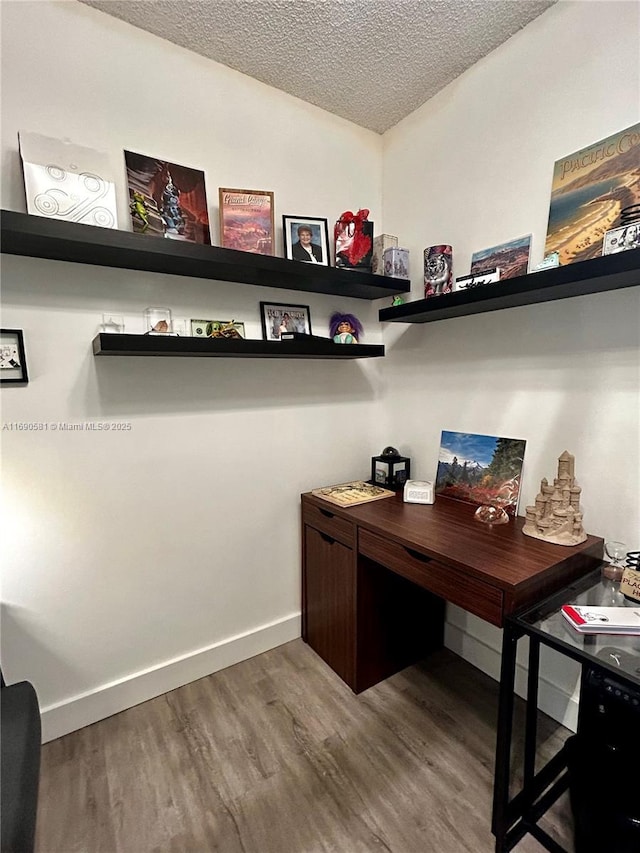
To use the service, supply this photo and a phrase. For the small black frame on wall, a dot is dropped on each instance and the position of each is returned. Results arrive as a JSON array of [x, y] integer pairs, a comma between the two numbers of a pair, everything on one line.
[[13, 362]]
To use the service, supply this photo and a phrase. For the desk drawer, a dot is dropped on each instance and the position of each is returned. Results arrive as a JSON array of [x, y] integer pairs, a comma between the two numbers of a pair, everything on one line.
[[328, 522], [454, 585]]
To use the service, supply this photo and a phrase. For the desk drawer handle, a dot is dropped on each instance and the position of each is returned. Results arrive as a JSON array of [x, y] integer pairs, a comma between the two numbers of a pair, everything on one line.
[[326, 513], [328, 539], [417, 555]]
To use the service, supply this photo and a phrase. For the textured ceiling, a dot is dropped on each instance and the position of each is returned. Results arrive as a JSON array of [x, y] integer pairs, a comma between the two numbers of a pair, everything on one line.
[[370, 61]]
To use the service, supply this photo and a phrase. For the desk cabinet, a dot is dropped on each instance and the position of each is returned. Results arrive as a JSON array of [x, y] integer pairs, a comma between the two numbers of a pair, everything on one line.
[[375, 578], [363, 620], [330, 595]]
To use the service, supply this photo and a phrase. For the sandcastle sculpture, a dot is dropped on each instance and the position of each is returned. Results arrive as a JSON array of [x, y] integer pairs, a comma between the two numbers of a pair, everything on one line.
[[556, 516]]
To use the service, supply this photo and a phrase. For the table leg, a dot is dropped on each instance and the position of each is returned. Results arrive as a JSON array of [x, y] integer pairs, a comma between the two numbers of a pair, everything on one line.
[[500, 822], [531, 724]]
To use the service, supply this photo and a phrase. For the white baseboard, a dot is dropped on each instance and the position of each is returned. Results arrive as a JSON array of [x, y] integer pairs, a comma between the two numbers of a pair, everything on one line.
[[82, 710], [557, 703]]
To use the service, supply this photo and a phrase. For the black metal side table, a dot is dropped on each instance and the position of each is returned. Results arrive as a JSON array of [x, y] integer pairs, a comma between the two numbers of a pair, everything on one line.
[[614, 660]]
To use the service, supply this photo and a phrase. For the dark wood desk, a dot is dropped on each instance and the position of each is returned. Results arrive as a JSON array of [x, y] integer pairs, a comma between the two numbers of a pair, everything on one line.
[[375, 578]]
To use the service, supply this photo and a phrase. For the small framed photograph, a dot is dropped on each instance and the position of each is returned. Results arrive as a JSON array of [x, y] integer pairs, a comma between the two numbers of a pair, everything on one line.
[[216, 329], [247, 220], [306, 238], [13, 363], [277, 318]]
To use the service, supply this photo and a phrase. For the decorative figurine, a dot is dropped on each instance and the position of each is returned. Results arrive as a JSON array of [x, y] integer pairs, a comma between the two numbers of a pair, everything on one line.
[[556, 515], [139, 210], [345, 328], [398, 299]]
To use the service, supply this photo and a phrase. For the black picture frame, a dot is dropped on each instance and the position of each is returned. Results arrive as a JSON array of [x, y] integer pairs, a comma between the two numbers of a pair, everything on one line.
[[319, 230], [275, 315], [13, 361]]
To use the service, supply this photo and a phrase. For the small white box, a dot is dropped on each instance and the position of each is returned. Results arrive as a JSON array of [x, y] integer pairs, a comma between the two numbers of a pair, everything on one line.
[[380, 243], [396, 262], [419, 492]]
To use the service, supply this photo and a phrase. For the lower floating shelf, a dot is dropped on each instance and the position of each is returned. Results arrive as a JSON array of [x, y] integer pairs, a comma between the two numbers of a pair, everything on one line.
[[157, 345]]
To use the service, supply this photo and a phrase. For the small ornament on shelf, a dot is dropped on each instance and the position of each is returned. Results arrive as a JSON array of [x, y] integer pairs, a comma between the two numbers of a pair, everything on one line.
[[381, 243], [353, 233], [157, 321], [438, 270], [396, 262], [345, 328], [112, 324]]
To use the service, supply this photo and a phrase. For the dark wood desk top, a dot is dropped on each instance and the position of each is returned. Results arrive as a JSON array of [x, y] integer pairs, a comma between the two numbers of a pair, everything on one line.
[[524, 569]]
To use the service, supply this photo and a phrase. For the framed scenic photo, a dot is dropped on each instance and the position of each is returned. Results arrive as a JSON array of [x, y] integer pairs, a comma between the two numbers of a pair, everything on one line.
[[480, 469], [277, 319], [247, 220], [512, 258], [167, 200], [13, 363], [306, 239], [589, 190]]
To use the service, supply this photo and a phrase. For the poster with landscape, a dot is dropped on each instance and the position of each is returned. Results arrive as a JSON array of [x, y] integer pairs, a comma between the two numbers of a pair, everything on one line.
[[510, 258], [588, 191], [480, 469]]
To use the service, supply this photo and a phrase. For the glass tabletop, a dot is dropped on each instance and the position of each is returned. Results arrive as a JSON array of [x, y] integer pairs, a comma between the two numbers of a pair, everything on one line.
[[617, 652]]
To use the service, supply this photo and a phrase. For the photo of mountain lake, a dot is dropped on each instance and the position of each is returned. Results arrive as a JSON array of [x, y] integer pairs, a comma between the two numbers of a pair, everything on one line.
[[480, 469]]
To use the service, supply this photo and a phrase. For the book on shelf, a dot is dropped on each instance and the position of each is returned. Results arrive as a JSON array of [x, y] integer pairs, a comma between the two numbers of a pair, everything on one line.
[[352, 494], [591, 619]]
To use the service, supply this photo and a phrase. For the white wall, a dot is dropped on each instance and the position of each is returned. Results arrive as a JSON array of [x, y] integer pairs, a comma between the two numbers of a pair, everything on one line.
[[473, 168], [178, 539]]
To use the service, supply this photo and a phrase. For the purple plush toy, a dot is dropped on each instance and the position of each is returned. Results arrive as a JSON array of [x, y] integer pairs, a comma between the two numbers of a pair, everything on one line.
[[345, 328]]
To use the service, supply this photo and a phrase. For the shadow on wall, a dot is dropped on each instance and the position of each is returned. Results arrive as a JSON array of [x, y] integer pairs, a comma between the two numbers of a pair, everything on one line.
[[142, 386], [28, 658]]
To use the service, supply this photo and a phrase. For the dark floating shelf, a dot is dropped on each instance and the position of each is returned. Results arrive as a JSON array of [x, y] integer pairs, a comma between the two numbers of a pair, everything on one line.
[[609, 272], [158, 345], [40, 237]]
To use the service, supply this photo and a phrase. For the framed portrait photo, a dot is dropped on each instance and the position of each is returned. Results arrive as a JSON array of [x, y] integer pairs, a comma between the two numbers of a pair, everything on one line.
[[247, 220], [13, 363], [306, 238], [279, 318]]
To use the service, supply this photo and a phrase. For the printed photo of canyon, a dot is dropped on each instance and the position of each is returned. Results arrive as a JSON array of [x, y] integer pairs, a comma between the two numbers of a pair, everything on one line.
[[510, 258]]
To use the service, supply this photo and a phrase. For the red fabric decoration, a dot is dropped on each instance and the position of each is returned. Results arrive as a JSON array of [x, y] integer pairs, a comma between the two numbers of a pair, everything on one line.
[[350, 240]]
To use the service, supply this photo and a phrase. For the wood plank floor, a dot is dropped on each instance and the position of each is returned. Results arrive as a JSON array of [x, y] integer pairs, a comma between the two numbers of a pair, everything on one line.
[[277, 755]]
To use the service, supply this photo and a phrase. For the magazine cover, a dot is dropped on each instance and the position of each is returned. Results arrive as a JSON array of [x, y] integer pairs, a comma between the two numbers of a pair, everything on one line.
[[512, 258], [247, 220], [480, 469], [167, 200], [589, 190], [352, 494]]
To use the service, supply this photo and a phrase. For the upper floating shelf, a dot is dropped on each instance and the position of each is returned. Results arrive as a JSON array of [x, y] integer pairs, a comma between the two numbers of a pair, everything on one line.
[[610, 272], [40, 237]]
